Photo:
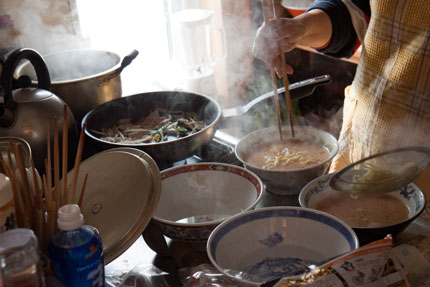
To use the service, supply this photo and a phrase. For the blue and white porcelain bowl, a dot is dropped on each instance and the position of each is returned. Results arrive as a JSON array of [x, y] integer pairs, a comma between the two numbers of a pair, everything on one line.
[[195, 198], [267, 243], [411, 195]]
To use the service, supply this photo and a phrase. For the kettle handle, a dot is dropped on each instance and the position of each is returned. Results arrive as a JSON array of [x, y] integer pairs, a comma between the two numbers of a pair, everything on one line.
[[9, 66]]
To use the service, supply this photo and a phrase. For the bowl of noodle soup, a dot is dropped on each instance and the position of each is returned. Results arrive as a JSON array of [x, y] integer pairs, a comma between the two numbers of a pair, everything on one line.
[[286, 166], [371, 216]]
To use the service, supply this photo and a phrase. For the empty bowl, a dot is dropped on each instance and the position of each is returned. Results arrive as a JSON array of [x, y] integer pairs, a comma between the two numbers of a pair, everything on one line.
[[372, 217], [195, 198], [267, 243]]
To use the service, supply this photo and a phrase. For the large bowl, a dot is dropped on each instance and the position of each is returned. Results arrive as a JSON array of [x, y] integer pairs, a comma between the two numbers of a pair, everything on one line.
[[267, 243], [411, 195], [286, 182], [195, 198]]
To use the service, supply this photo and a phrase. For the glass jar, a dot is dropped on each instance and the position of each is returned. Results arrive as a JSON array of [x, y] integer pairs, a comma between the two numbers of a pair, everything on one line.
[[20, 259]]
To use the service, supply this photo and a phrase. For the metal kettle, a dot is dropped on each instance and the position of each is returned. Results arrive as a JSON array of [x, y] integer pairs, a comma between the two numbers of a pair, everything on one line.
[[27, 112]]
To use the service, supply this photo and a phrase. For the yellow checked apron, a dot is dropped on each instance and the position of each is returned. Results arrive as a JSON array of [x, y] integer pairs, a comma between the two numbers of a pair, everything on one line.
[[388, 103]]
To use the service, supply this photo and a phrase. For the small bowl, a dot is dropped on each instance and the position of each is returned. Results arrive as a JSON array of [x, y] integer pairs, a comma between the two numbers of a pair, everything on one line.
[[267, 243], [286, 182], [411, 195], [195, 198]]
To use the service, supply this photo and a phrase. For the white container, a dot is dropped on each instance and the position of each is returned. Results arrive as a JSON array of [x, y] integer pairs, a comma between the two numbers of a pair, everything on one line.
[[7, 207]]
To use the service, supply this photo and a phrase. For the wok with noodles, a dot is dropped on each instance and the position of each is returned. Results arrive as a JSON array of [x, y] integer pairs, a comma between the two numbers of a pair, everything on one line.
[[129, 110], [159, 126], [168, 125]]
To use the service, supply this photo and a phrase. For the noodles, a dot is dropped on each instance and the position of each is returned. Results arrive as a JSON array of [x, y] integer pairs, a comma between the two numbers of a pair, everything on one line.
[[287, 155], [159, 126]]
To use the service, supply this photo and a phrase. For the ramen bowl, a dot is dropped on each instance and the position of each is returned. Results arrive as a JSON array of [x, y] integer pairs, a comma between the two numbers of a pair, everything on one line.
[[372, 217], [267, 243], [283, 181], [195, 198]]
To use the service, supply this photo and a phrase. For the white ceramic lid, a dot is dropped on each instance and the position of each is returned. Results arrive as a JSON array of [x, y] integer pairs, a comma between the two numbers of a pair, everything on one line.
[[120, 197]]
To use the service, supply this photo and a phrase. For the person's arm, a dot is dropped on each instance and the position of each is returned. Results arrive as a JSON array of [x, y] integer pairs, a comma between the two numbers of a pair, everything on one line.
[[317, 29], [344, 40]]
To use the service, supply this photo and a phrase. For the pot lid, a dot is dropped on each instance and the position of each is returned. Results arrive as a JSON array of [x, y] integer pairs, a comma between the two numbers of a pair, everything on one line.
[[122, 193]]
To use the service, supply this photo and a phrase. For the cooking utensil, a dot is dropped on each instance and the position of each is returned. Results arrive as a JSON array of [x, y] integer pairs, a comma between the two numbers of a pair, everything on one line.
[[382, 172], [137, 106], [285, 79], [83, 78], [298, 90], [267, 7], [27, 112]]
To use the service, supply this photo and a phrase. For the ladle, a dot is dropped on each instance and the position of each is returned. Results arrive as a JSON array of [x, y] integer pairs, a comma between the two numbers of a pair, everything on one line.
[[382, 172]]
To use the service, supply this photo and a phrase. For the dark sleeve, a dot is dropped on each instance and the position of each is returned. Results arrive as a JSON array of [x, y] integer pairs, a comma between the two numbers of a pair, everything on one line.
[[344, 39]]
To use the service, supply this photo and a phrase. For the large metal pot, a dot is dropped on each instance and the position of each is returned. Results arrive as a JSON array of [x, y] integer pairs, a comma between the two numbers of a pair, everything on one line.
[[84, 78], [207, 109]]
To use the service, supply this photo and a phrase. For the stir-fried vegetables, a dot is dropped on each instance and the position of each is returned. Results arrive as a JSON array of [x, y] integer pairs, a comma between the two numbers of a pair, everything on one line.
[[159, 126]]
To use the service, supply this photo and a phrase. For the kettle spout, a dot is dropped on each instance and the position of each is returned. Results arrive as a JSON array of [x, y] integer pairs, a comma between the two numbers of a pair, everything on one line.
[[7, 117]]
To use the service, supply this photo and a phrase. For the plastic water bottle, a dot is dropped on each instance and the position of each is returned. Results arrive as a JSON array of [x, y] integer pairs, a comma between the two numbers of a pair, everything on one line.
[[76, 251]]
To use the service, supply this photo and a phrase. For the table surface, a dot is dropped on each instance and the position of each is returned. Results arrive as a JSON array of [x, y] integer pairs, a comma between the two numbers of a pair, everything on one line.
[[140, 253]]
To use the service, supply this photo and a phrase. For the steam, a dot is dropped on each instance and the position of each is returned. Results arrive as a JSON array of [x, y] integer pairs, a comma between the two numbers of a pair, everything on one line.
[[46, 26]]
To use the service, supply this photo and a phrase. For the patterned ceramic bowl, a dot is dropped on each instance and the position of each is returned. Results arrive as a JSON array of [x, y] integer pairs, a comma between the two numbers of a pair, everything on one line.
[[267, 243], [195, 198], [367, 219]]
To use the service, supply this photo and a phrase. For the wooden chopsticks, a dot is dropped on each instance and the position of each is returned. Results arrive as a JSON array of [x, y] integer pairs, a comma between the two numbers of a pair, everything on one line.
[[267, 7], [268, 11], [36, 200]]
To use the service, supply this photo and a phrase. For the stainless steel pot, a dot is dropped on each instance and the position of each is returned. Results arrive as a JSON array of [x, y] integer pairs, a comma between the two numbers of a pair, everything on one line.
[[84, 78]]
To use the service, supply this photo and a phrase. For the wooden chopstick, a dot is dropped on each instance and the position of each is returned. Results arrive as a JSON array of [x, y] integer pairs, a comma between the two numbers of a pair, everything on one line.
[[65, 156], [81, 196], [56, 165], [76, 166], [267, 8], [285, 78]]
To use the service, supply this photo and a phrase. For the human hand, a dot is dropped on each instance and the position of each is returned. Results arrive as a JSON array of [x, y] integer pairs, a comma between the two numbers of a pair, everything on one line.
[[283, 34]]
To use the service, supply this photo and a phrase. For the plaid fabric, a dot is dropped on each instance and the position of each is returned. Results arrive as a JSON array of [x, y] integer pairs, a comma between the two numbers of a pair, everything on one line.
[[388, 103]]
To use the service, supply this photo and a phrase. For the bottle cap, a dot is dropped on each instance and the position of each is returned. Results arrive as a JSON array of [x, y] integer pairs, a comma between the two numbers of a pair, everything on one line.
[[5, 190], [70, 217]]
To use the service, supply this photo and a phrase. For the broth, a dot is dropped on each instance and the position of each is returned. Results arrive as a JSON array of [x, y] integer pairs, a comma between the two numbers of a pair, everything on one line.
[[366, 211], [288, 155]]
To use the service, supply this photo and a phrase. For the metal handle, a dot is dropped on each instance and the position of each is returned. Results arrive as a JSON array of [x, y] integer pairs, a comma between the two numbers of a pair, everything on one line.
[[6, 78], [297, 90], [124, 63]]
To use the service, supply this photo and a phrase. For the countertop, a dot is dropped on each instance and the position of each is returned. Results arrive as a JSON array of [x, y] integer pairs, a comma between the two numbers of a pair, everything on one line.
[[139, 254]]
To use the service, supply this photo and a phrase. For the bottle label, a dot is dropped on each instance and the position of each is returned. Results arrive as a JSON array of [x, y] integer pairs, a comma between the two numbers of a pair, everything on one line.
[[79, 265], [7, 217]]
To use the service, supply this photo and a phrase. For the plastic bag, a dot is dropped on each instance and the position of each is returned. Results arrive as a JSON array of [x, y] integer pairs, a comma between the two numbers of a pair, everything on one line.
[[206, 275], [142, 275]]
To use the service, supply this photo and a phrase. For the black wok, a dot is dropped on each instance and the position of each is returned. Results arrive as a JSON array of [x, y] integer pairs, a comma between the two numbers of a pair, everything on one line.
[[207, 109]]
